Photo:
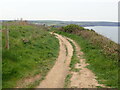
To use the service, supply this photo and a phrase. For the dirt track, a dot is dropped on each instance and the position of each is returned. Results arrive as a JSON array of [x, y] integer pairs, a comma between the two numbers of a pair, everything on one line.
[[56, 76]]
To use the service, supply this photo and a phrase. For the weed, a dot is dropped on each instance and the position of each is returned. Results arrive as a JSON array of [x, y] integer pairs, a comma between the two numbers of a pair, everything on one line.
[[67, 80]]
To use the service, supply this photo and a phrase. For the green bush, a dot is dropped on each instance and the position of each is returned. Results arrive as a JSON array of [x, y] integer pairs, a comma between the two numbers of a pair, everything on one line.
[[72, 28]]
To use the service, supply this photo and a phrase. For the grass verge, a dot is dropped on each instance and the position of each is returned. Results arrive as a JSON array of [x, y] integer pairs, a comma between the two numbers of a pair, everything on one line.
[[74, 59]]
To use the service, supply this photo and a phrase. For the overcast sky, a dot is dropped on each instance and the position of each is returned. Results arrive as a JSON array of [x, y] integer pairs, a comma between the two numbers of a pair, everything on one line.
[[68, 10]]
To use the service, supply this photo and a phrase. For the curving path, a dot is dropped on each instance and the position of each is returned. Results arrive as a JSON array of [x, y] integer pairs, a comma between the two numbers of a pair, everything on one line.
[[57, 75], [85, 78]]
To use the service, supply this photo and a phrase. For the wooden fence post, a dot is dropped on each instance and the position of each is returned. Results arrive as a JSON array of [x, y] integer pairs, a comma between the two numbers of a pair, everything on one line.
[[7, 37]]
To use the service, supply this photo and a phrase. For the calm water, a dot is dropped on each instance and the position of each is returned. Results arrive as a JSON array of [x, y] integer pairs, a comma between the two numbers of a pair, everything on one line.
[[107, 31]]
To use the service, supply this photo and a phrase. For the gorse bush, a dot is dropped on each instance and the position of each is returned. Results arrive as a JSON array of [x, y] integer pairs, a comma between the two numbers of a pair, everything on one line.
[[72, 28]]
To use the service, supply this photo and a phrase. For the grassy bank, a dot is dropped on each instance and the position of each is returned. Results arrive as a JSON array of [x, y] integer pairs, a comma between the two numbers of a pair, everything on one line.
[[32, 51], [103, 63]]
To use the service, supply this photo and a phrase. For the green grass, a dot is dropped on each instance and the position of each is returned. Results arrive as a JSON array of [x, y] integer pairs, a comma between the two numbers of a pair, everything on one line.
[[74, 59], [105, 68], [67, 80], [26, 59], [66, 50]]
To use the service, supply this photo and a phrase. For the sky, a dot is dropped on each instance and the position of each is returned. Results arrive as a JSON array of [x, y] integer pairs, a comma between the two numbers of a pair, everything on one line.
[[66, 10]]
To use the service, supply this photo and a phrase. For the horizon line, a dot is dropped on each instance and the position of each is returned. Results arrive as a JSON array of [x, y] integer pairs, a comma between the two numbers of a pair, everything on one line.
[[58, 20]]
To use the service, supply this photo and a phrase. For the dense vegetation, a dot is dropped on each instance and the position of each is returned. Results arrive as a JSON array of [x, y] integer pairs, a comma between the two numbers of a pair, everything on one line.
[[72, 28], [100, 52], [33, 50]]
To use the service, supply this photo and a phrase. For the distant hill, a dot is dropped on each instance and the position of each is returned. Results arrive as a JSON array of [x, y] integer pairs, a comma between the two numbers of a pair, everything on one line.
[[81, 23]]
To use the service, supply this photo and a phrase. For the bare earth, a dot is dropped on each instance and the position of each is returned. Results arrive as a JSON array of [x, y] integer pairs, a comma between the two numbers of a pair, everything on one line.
[[85, 78]]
